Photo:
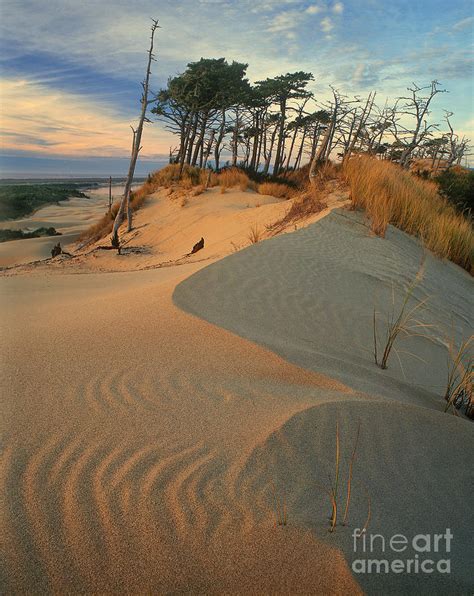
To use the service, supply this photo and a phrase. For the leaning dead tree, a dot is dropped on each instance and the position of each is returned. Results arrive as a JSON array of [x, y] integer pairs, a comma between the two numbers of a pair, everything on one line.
[[324, 149], [416, 106], [125, 207]]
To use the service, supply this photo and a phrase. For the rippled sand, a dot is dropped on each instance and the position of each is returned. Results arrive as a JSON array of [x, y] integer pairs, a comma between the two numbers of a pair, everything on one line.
[[128, 426], [145, 449]]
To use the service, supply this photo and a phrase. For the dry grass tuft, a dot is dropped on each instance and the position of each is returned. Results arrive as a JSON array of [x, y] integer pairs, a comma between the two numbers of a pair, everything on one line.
[[233, 177], [303, 205], [198, 190], [391, 195], [404, 325], [334, 489], [281, 191], [255, 234], [280, 508]]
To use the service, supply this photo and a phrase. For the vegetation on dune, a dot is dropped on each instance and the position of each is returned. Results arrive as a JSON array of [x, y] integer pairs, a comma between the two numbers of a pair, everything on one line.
[[18, 200], [105, 224], [457, 185], [271, 127], [391, 195], [7, 235]]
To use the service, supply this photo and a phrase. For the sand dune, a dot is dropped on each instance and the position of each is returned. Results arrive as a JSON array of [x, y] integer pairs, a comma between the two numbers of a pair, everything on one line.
[[142, 442], [69, 217], [309, 297], [121, 471], [166, 229]]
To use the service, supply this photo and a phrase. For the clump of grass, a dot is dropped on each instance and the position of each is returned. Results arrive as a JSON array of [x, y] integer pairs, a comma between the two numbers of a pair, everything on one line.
[[280, 508], [233, 177], [274, 189], [336, 480], [391, 195], [198, 190], [349, 477], [459, 385], [403, 325], [255, 234], [170, 175], [333, 492], [302, 206]]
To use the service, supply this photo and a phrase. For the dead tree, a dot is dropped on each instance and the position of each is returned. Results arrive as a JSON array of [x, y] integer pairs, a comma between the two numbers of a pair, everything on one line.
[[416, 106], [325, 148], [456, 147], [354, 136], [136, 147]]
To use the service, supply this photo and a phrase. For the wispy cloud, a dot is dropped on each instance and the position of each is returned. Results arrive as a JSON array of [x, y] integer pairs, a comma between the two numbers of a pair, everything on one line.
[[327, 25], [38, 118], [81, 62], [464, 24]]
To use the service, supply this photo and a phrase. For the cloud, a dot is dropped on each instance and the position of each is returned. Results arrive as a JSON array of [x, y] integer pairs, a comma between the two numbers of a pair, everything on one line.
[[285, 21], [50, 122], [314, 9], [460, 25], [338, 8], [326, 25]]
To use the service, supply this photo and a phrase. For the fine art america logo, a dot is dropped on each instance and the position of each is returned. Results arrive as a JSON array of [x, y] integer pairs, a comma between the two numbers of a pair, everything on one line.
[[422, 553]]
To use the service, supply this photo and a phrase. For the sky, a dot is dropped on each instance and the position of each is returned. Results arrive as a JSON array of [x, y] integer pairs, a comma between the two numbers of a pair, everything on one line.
[[71, 69]]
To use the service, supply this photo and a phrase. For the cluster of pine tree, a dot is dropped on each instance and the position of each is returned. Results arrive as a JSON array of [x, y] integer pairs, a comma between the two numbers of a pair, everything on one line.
[[277, 124]]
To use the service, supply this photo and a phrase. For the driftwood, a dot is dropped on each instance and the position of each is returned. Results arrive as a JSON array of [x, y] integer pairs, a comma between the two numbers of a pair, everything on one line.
[[57, 250], [198, 246]]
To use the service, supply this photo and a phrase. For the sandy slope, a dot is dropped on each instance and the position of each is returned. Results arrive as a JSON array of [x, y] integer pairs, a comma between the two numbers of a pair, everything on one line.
[[123, 456], [142, 442], [309, 297], [166, 229]]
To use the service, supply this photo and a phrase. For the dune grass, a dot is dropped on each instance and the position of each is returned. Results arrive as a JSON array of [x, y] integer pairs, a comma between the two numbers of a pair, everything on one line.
[[255, 234], [391, 195], [333, 491], [279, 502], [106, 222], [403, 325], [274, 189], [349, 477]]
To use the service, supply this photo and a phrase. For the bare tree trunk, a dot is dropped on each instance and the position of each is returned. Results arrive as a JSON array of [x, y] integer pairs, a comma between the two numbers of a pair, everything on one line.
[[208, 148], [318, 156], [281, 139], [268, 157], [235, 137], [136, 147], [293, 140], [191, 139], [200, 140], [219, 141], [300, 151], [110, 194], [363, 119], [253, 161]]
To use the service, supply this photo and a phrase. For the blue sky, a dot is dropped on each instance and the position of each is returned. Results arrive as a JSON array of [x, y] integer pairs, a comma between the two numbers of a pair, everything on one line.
[[71, 70]]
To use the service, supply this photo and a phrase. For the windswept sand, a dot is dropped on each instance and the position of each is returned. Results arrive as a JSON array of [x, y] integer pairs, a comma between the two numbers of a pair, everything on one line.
[[141, 443]]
